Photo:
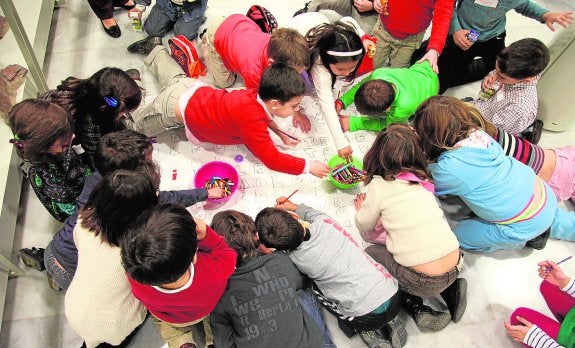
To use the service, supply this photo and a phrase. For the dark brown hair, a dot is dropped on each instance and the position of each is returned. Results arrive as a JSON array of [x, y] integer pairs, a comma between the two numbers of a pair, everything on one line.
[[374, 97], [116, 202], [339, 37], [523, 59], [36, 124], [441, 122], [395, 150], [278, 229], [239, 231]]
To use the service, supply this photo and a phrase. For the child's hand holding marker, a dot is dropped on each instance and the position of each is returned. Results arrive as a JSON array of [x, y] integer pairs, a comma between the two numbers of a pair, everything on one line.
[[551, 272]]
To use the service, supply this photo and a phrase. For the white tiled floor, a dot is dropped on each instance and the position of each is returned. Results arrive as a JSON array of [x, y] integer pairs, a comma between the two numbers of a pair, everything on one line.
[[78, 46]]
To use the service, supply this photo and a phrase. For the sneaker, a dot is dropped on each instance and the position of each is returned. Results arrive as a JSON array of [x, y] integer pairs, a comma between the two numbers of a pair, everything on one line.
[[540, 241], [374, 339], [395, 333], [302, 10], [146, 45], [33, 257], [467, 99], [455, 297], [53, 285]]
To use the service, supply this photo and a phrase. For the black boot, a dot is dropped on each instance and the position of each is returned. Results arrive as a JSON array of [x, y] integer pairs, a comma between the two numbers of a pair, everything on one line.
[[455, 296], [395, 332], [423, 315], [146, 45], [540, 241]]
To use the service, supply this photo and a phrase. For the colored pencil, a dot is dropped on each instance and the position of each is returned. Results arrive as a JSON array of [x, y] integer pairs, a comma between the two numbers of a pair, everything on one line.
[[288, 197], [289, 135]]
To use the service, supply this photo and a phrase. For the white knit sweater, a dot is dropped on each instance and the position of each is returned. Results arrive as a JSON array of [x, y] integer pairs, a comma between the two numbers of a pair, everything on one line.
[[99, 304], [417, 229]]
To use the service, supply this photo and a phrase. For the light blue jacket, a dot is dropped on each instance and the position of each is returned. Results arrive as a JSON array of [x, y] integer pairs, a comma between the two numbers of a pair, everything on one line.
[[496, 187]]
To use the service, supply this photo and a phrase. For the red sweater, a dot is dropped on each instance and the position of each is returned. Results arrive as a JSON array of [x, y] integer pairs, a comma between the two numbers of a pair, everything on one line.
[[215, 264], [221, 117], [411, 17], [243, 48]]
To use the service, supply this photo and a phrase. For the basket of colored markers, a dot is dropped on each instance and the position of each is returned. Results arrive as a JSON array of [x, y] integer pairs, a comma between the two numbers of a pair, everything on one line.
[[217, 174], [345, 175]]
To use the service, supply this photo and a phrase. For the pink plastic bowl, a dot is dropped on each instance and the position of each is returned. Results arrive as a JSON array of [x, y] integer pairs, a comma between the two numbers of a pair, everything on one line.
[[221, 169]]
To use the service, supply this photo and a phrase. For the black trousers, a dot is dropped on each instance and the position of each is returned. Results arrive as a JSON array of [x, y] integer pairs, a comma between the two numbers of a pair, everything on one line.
[[457, 67], [104, 9]]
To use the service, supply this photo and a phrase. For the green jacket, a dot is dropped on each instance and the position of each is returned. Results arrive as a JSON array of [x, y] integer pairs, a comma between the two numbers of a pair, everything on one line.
[[566, 336], [412, 85]]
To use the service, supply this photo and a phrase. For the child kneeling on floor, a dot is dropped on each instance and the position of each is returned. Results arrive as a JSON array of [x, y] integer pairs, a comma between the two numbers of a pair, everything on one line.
[[348, 282], [420, 251], [178, 275], [267, 299]]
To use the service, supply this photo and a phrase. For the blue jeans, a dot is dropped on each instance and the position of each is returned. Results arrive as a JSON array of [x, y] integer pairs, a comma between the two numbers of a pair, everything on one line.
[[311, 305], [165, 16], [55, 270]]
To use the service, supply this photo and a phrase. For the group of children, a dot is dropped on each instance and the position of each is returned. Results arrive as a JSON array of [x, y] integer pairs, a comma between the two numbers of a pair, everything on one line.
[[126, 249]]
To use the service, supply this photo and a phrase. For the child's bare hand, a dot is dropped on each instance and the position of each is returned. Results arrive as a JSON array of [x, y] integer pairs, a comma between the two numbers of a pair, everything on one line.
[[319, 169], [518, 332], [216, 192], [135, 11], [345, 153], [285, 204], [301, 121], [286, 139], [358, 201], [344, 122], [552, 273], [562, 18], [431, 56], [363, 5], [367, 43], [460, 39], [488, 81], [200, 228]]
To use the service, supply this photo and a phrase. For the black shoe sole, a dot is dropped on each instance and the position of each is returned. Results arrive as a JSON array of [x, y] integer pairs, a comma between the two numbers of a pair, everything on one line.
[[395, 333], [432, 322], [461, 300]]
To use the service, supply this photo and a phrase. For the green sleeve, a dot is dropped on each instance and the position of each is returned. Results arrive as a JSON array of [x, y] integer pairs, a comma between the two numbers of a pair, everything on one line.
[[366, 123], [349, 96]]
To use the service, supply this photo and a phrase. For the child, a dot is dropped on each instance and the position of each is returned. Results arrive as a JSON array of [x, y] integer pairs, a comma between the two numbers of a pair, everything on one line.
[[349, 283], [513, 106], [336, 51], [388, 96], [237, 319], [537, 330], [459, 62], [178, 268], [423, 255], [513, 205], [401, 27], [222, 117], [183, 17], [555, 166], [99, 104], [43, 134], [237, 46], [128, 150], [99, 305]]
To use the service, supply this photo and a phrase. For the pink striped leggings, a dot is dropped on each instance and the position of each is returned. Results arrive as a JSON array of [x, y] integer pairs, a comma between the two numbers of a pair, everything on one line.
[[558, 302]]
